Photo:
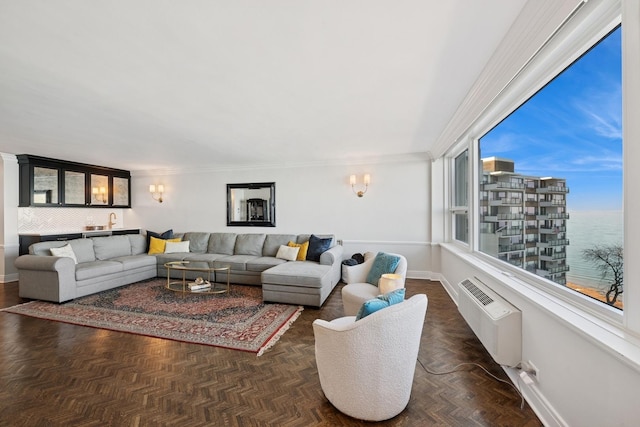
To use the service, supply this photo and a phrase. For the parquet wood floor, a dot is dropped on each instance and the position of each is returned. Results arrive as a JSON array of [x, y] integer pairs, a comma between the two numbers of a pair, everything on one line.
[[55, 374]]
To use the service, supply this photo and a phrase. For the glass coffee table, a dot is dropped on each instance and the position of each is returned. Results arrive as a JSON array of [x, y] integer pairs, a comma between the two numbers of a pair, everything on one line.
[[203, 286]]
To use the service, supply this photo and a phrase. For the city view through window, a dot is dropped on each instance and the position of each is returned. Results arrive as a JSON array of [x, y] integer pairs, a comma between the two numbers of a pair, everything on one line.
[[551, 186]]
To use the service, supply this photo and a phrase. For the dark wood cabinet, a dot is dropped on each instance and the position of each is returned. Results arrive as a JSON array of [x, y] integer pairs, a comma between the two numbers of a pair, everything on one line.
[[58, 183]]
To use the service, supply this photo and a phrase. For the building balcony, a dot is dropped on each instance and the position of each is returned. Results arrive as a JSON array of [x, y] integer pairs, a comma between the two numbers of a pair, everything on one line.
[[553, 230], [553, 243], [559, 256], [516, 247], [547, 203], [503, 217], [552, 216], [516, 231], [506, 202], [502, 186], [552, 189], [560, 269]]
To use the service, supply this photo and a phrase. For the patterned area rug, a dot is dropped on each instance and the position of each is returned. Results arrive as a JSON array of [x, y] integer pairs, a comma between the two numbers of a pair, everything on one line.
[[238, 321]]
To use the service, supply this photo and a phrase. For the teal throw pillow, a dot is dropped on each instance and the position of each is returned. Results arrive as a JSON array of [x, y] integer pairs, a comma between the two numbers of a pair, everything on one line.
[[382, 301], [383, 264], [316, 247], [393, 297]]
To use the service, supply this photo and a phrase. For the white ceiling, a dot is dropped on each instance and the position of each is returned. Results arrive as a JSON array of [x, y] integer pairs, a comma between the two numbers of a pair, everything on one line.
[[153, 84]]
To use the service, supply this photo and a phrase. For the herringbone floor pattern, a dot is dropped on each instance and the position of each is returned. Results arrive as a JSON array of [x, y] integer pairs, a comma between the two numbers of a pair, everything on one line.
[[55, 374]]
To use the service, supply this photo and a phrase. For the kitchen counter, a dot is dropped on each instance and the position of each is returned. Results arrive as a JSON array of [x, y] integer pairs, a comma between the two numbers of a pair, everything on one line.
[[27, 239]]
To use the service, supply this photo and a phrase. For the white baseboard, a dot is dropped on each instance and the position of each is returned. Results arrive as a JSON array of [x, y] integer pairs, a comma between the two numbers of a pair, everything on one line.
[[6, 278], [545, 412], [414, 274]]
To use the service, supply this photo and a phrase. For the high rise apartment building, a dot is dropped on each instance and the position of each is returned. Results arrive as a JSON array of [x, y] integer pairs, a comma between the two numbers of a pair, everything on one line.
[[523, 219]]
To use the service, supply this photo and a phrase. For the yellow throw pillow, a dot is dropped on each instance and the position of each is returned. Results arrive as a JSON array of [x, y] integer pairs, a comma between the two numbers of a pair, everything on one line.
[[156, 246], [302, 253]]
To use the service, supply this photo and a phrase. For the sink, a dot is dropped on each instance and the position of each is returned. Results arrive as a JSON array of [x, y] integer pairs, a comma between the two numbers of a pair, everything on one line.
[[94, 227]]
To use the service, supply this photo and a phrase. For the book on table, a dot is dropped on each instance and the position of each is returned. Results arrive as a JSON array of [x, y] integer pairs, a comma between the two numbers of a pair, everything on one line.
[[199, 286]]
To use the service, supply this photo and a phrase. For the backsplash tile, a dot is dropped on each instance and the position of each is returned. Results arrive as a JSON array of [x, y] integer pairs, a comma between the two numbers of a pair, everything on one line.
[[39, 220]]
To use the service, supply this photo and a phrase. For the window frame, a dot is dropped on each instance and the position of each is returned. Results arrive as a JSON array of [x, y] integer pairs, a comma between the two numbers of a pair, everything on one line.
[[454, 208], [573, 41]]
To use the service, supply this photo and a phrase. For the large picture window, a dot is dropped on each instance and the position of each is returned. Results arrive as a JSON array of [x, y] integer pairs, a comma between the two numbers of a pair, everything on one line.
[[550, 197]]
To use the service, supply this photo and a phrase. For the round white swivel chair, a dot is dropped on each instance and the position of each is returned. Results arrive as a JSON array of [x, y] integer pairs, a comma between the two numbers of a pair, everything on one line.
[[366, 367], [357, 291]]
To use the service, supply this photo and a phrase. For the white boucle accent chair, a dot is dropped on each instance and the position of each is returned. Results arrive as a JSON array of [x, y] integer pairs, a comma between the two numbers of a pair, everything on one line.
[[357, 290], [366, 367]]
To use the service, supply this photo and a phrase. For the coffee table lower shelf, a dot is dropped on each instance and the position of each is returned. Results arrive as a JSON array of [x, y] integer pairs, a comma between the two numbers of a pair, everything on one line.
[[182, 285]]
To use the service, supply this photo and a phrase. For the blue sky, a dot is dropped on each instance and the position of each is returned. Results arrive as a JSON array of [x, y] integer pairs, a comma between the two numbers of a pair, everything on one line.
[[572, 129]]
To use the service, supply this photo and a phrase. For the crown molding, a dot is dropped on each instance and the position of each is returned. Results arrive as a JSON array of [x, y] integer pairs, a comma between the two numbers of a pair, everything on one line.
[[421, 157]]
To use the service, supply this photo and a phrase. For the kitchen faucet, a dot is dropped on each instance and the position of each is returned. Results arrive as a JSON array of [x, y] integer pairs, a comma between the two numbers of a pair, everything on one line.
[[112, 223]]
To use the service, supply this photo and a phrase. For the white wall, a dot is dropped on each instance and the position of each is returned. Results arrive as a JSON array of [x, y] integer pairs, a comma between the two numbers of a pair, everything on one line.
[[392, 216], [9, 245]]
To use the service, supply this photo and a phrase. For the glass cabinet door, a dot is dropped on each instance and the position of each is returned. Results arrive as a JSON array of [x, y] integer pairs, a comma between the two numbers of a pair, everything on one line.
[[99, 190], [120, 191], [45, 186], [74, 188]]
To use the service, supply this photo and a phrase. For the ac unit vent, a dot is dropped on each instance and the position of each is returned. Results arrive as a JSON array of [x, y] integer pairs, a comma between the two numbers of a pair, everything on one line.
[[477, 292], [496, 323]]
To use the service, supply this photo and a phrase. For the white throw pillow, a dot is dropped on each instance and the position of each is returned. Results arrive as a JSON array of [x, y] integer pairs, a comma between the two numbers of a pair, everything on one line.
[[172, 247], [66, 251], [287, 252]]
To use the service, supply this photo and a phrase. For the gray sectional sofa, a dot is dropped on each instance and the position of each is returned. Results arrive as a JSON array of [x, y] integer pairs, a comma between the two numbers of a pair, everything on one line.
[[108, 262], [103, 263]]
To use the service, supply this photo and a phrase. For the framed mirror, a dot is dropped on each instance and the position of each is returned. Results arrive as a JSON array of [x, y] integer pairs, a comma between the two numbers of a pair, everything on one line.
[[251, 204]]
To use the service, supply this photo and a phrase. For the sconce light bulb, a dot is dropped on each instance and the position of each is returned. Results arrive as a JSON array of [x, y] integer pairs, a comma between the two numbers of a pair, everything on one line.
[[366, 180], [156, 192]]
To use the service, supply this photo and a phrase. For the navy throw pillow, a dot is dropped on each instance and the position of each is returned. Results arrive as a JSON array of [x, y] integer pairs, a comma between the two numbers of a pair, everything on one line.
[[166, 235], [317, 246]]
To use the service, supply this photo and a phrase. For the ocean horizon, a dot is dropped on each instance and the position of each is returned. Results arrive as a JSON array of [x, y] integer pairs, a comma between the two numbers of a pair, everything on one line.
[[587, 229]]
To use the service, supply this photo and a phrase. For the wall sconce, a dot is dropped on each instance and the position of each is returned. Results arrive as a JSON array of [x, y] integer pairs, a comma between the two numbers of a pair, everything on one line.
[[366, 181], [156, 192], [100, 194]]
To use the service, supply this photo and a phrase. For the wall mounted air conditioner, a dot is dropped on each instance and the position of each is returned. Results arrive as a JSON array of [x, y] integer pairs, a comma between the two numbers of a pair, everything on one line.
[[496, 323]]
